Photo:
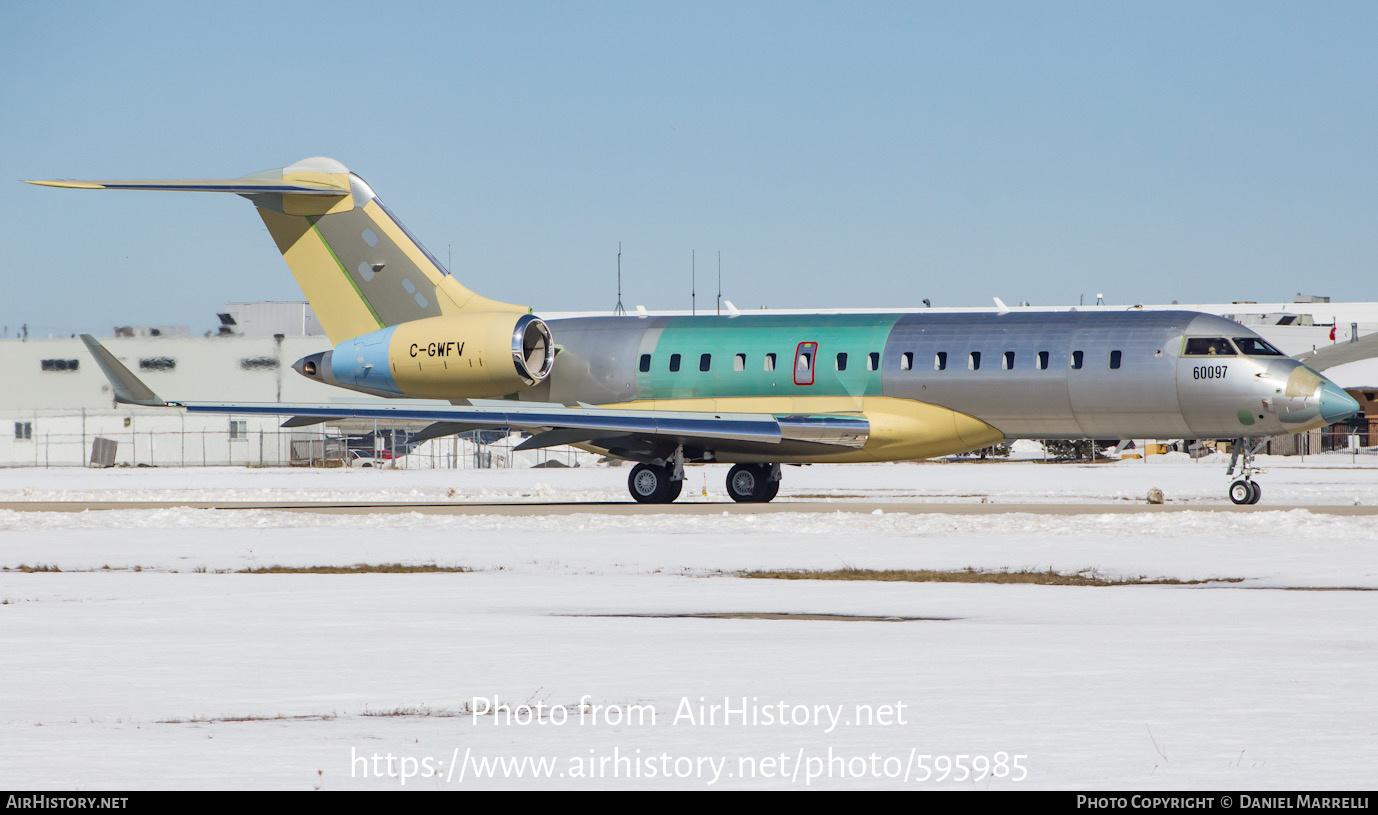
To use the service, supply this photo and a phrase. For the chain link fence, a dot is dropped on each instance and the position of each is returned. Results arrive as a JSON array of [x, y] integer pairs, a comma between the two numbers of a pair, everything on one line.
[[154, 441]]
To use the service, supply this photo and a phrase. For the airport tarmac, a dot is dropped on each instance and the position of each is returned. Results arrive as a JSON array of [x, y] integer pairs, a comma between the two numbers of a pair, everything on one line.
[[697, 508]]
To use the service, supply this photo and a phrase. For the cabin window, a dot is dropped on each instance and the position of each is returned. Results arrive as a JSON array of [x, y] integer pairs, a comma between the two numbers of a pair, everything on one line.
[[645, 363], [1077, 357], [1209, 347], [1114, 360], [1008, 362], [842, 362], [674, 363], [906, 361], [58, 364], [974, 361], [705, 362], [739, 362], [1256, 347], [940, 361], [769, 362], [1042, 360], [873, 360]]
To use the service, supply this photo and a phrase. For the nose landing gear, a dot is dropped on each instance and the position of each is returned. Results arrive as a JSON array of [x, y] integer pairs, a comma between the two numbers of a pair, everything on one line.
[[1245, 490]]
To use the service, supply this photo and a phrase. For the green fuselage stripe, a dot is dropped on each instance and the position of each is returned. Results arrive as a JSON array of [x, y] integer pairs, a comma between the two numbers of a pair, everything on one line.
[[747, 345], [345, 272]]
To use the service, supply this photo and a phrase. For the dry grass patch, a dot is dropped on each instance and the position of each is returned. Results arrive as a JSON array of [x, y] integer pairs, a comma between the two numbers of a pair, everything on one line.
[[419, 710], [320, 717], [358, 568], [1086, 577]]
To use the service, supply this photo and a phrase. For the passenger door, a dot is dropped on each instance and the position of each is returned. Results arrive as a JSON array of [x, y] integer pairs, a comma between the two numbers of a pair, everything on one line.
[[805, 358]]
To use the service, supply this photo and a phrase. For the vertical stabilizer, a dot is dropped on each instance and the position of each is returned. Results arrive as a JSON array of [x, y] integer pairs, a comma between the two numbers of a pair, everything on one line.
[[358, 266]]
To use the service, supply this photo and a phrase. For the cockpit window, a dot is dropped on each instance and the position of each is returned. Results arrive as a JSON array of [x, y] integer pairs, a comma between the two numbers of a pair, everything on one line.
[[1209, 347], [1256, 347]]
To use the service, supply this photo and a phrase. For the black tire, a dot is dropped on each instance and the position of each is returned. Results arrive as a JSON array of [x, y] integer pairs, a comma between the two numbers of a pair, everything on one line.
[[772, 490], [751, 483], [743, 483], [1241, 491], [1257, 492], [649, 484]]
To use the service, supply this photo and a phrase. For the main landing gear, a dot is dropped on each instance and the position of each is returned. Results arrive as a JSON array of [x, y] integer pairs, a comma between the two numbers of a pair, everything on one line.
[[1245, 490], [753, 483], [654, 484], [660, 482]]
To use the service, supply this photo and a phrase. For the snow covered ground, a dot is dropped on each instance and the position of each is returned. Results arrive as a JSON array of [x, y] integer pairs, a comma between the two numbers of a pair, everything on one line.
[[1307, 480], [149, 662]]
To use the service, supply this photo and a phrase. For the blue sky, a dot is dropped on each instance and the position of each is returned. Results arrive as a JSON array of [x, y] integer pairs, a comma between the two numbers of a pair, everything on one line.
[[837, 154]]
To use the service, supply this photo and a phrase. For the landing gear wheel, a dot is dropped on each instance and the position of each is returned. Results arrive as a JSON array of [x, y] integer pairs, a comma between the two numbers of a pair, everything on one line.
[[650, 484], [741, 483], [772, 490], [751, 483], [1244, 492]]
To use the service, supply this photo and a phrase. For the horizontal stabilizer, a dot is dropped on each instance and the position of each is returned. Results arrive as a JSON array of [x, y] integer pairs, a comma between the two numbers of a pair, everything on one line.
[[312, 176], [238, 186]]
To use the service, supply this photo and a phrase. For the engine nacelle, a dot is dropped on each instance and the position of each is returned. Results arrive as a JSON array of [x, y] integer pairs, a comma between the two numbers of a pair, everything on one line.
[[450, 357]]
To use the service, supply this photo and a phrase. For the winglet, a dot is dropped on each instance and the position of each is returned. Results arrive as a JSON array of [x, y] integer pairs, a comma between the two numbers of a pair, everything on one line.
[[128, 388]]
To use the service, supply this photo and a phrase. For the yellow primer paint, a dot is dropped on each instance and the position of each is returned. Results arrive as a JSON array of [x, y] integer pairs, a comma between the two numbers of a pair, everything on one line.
[[317, 204], [306, 178], [469, 354], [901, 429], [338, 306], [451, 295], [1301, 383], [69, 185]]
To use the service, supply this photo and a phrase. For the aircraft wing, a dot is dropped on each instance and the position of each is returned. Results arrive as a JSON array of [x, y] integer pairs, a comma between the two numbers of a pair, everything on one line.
[[1340, 353], [559, 424], [635, 434]]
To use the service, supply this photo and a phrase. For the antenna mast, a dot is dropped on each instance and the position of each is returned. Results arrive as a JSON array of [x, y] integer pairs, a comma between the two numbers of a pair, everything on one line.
[[618, 310], [693, 282]]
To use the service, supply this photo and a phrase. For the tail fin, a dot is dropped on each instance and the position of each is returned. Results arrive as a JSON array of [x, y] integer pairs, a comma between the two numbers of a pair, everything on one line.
[[129, 389], [358, 265]]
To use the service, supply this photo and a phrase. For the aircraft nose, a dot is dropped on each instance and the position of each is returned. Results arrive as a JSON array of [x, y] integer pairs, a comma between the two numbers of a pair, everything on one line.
[[1336, 405]]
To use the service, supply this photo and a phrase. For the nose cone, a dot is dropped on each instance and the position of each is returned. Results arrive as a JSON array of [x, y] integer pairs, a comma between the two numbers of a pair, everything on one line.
[[1336, 405]]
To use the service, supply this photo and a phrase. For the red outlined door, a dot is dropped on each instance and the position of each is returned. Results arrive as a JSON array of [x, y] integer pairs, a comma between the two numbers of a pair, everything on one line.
[[805, 357]]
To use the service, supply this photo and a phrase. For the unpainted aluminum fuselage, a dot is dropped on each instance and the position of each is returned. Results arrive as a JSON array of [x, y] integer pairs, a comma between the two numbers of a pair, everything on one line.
[[1049, 375]]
